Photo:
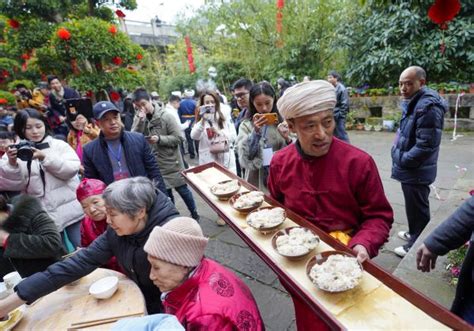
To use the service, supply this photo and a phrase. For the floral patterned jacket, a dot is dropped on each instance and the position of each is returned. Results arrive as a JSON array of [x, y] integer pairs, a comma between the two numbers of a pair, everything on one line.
[[214, 298]]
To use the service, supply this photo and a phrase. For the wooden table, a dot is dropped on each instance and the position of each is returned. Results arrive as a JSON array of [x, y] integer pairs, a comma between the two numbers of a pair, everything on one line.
[[381, 301], [74, 304]]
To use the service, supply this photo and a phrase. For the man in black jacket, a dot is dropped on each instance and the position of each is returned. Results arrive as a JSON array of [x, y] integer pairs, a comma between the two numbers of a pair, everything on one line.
[[57, 98], [415, 150], [456, 231], [118, 154], [342, 106]]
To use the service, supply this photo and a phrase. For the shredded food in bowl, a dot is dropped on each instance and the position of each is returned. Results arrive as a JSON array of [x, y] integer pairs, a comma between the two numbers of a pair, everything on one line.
[[248, 200], [338, 273], [298, 241], [266, 218], [225, 188]]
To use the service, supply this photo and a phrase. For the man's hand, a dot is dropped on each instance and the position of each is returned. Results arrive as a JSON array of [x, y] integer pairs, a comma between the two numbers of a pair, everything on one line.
[[425, 259], [361, 252], [152, 139]]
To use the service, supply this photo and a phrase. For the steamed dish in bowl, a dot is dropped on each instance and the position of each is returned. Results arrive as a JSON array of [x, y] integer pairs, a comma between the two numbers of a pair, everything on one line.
[[266, 218], [249, 200], [226, 187], [296, 242], [338, 273]]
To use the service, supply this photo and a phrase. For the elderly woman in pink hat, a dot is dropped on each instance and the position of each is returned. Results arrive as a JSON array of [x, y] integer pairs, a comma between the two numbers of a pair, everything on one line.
[[200, 292], [89, 194]]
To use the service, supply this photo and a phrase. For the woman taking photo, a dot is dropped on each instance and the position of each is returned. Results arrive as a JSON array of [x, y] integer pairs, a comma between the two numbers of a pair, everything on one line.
[[46, 168], [134, 207], [215, 133], [260, 135]]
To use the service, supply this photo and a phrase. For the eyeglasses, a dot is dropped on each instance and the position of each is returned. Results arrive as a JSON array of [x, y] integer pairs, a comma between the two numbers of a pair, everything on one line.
[[241, 95]]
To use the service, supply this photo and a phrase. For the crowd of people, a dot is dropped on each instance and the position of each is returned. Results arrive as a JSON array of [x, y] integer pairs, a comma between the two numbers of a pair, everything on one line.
[[103, 181]]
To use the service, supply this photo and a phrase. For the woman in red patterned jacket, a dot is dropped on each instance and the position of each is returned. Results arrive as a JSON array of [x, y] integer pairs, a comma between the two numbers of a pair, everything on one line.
[[89, 193], [201, 293]]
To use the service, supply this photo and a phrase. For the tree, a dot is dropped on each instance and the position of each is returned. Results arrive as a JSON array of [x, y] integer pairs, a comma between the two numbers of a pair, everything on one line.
[[384, 38]]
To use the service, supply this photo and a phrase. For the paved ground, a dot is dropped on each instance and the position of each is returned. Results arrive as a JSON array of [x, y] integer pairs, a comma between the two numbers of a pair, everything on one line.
[[274, 303]]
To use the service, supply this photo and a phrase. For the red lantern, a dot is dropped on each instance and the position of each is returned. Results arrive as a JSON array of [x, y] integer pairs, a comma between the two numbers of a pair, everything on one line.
[[444, 11], [117, 60], [280, 4], [120, 13], [113, 29], [3, 101], [114, 96], [64, 34], [5, 73], [14, 24], [139, 56], [25, 56]]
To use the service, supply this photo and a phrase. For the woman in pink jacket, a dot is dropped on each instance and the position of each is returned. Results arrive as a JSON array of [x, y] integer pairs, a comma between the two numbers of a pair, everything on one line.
[[89, 193], [201, 293]]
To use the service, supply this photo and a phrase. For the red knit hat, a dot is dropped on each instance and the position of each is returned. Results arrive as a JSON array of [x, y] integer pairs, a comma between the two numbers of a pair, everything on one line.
[[89, 187]]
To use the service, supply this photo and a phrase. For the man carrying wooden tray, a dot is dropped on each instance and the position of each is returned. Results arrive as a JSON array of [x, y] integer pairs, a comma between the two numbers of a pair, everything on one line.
[[334, 185]]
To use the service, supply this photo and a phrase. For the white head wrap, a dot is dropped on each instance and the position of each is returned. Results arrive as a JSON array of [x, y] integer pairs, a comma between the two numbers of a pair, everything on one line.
[[307, 98]]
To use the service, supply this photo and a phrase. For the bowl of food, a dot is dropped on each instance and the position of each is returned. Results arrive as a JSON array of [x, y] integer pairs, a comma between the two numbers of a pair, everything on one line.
[[295, 242], [247, 201], [334, 271], [104, 288], [265, 219], [226, 189]]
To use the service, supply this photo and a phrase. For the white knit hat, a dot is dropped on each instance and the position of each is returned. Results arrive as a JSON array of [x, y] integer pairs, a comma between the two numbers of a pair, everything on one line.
[[189, 93], [307, 98], [180, 241]]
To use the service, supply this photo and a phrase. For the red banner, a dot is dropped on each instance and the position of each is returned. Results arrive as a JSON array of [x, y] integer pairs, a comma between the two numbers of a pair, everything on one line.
[[189, 50], [279, 22]]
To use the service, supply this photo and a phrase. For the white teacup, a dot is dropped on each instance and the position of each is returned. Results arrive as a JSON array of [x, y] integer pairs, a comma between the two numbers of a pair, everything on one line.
[[3, 291], [11, 280]]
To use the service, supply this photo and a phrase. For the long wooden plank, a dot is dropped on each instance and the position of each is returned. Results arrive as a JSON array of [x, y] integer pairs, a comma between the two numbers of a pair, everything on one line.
[[386, 295]]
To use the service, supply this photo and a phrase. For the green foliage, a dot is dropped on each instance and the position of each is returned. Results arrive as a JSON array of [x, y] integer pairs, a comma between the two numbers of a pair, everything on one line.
[[385, 39], [28, 83], [455, 260], [8, 65], [9, 97]]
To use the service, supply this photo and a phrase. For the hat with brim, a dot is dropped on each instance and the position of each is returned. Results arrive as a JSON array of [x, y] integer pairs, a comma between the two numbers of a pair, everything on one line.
[[103, 107]]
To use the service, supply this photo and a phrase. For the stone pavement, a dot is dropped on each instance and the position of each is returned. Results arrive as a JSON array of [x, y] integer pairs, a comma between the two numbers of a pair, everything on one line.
[[275, 305]]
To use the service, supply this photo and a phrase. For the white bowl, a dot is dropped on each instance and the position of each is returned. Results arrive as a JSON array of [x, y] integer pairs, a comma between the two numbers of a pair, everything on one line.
[[104, 288]]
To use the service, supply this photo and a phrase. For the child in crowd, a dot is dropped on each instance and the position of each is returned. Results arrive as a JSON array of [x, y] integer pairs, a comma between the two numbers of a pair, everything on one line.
[[81, 131], [89, 193], [6, 120], [7, 138]]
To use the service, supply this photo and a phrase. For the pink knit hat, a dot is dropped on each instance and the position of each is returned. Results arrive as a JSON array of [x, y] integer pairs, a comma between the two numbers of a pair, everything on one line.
[[180, 241]]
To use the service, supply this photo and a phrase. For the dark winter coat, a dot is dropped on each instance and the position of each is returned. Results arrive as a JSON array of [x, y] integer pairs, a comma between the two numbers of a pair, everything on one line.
[[342, 102], [58, 106], [138, 154], [127, 249], [34, 242], [415, 151], [452, 234]]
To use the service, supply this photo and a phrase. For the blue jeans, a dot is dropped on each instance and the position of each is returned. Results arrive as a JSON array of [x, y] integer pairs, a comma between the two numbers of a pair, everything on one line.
[[340, 129], [187, 197]]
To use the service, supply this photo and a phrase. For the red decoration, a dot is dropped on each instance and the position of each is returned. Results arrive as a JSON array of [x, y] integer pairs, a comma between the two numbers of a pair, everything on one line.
[[14, 24], [5, 73], [114, 96], [89, 94], [3, 101], [139, 56], [120, 13], [64, 34], [189, 50], [444, 11], [113, 29], [25, 56], [24, 66], [280, 4], [279, 22], [117, 60]]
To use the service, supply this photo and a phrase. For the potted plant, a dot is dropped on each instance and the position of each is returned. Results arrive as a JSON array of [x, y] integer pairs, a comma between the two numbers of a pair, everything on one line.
[[349, 120], [359, 124]]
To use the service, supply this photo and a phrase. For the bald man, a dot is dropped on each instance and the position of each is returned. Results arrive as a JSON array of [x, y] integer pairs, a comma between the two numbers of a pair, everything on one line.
[[415, 150], [333, 184]]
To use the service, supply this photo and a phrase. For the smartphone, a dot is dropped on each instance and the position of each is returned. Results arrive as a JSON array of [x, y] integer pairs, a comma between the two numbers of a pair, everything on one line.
[[272, 118]]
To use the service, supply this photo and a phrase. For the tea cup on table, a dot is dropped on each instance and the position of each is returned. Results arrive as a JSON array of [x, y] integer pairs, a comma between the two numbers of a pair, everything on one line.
[[11, 280]]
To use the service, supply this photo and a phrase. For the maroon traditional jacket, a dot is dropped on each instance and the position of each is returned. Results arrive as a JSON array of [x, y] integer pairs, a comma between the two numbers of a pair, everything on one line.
[[341, 190], [214, 298]]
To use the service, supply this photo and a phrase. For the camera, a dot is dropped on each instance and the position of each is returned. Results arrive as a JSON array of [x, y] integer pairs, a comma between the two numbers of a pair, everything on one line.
[[206, 110], [24, 149]]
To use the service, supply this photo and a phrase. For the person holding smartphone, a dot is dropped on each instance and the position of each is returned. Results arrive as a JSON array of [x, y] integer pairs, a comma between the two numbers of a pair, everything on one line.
[[211, 125], [260, 134]]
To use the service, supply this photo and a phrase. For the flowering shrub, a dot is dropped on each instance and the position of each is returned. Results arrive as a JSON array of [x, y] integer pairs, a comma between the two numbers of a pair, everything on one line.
[[455, 259]]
